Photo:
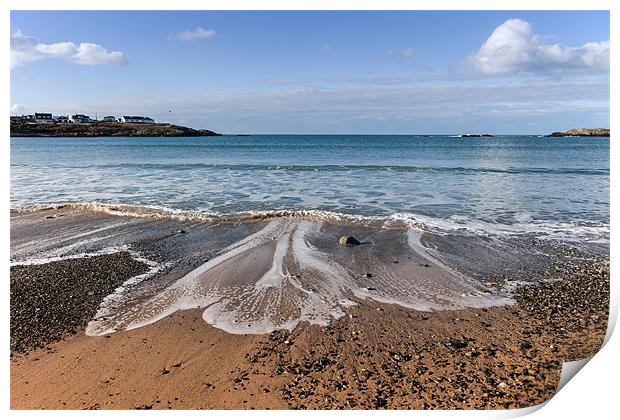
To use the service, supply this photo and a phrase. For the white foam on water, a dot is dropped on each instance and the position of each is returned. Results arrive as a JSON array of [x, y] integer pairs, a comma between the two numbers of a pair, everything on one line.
[[97, 325], [189, 291], [473, 294], [414, 240], [277, 300], [90, 242], [276, 278], [54, 258], [556, 230], [48, 247], [574, 231]]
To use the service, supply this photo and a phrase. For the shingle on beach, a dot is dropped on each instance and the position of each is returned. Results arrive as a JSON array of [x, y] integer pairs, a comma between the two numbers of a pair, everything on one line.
[[49, 301]]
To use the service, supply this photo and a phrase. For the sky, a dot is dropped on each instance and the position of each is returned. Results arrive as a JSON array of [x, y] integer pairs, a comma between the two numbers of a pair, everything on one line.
[[323, 72]]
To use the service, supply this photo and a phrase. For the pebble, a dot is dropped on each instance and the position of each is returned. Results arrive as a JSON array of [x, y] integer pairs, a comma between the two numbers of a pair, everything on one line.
[[349, 240]]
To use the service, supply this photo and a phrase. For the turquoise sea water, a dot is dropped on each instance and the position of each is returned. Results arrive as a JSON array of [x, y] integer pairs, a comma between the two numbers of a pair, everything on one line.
[[556, 186]]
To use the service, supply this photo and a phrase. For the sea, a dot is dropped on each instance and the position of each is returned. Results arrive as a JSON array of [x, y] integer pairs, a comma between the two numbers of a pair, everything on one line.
[[506, 185]]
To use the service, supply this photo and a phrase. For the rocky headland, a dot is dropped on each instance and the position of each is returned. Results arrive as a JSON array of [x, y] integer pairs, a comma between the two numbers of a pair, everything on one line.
[[581, 132], [105, 129]]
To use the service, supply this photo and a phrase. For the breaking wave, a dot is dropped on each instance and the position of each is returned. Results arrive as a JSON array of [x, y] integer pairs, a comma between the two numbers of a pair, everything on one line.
[[574, 231]]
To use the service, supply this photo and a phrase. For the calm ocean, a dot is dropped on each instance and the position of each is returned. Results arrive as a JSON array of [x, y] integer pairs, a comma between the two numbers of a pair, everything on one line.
[[558, 187]]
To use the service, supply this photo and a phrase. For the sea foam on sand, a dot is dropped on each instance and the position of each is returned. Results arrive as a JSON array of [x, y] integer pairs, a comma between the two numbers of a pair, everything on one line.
[[288, 272]]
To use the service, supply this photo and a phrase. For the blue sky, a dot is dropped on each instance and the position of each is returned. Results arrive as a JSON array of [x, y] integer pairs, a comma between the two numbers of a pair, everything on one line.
[[318, 72]]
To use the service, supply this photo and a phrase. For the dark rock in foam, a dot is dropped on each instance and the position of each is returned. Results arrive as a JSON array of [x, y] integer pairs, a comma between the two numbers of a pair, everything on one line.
[[349, 240]]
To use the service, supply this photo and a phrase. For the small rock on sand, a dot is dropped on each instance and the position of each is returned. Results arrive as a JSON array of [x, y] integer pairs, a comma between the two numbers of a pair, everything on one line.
[[349, 240]]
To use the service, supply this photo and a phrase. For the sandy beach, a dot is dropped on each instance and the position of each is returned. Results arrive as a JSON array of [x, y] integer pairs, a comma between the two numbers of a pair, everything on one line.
[[376, 355]]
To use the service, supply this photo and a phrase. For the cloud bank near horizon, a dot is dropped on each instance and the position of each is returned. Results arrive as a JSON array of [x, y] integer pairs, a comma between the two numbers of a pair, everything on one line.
[[548, 105]]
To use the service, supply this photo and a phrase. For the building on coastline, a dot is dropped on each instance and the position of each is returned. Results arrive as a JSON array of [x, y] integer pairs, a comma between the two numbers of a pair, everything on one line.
[[81, 119], [136, 119], [23, 118], [43, 117]]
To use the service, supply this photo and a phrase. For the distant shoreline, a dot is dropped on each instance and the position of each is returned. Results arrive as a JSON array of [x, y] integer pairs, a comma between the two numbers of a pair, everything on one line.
[[106, 129], [118, 129], [581, 132]]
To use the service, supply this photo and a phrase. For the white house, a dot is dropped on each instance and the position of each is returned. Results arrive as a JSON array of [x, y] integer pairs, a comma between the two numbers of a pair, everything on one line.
[[136, 119]]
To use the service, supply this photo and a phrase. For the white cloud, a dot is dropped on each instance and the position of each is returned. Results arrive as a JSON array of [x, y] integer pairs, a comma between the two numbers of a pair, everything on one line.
[[26, 49], [327, 48], [198, 33], [92, 54], [17, 109], [404, 53], [407, 52], [515, 47]]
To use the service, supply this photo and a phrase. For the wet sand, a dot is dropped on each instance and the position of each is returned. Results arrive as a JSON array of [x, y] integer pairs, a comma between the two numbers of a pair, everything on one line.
[[377, 355]]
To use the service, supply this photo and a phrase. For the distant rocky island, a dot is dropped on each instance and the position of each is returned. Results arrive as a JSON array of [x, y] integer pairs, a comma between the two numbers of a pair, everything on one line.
[[104, 129], [581, 132]]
